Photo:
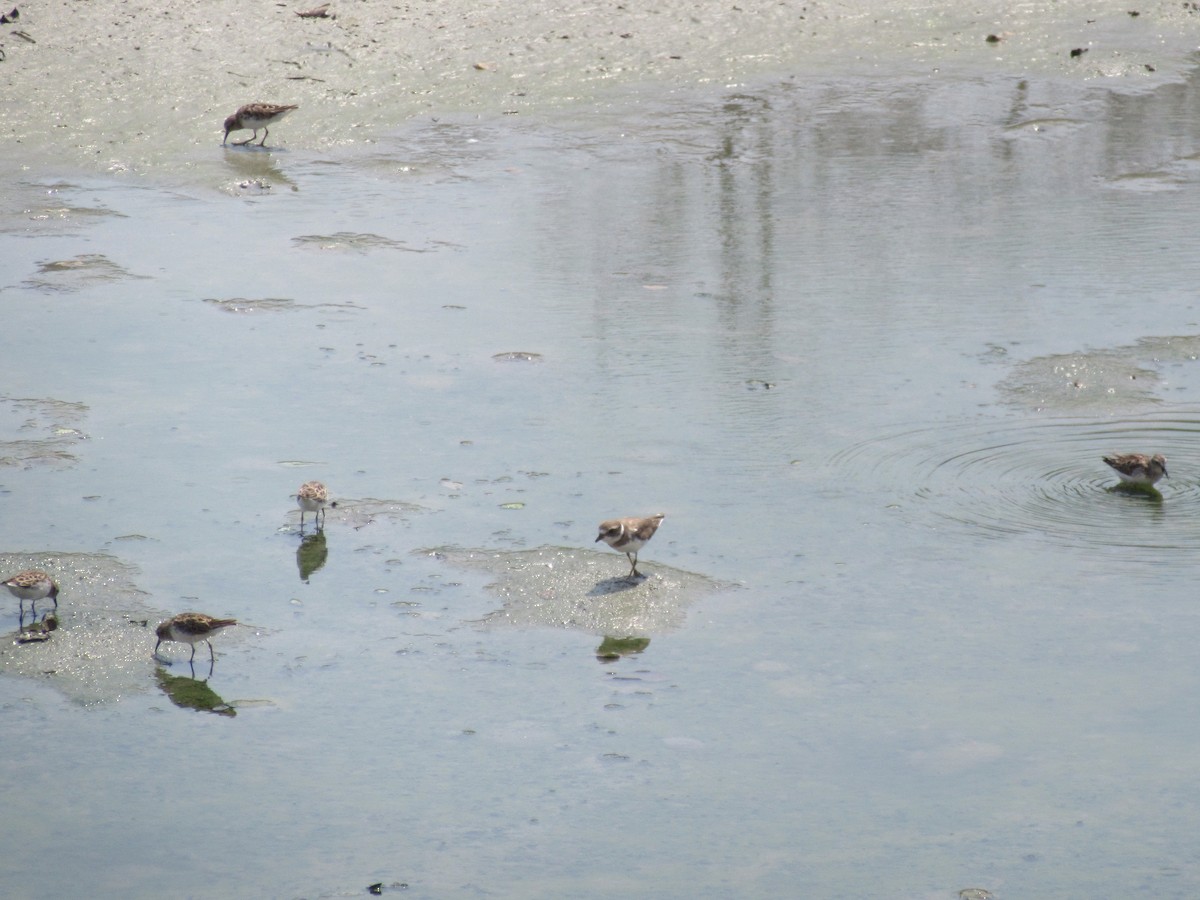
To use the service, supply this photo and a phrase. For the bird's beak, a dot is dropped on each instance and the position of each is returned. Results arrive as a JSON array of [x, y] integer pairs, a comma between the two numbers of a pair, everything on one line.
[[599, 537]]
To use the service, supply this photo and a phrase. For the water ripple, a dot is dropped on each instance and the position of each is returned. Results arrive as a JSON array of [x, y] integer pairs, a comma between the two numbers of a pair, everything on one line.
[[1044, 477]]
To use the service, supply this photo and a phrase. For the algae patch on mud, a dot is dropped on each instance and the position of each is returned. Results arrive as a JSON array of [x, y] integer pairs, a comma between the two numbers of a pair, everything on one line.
[[40, 431], [358, 513], [582, 590]]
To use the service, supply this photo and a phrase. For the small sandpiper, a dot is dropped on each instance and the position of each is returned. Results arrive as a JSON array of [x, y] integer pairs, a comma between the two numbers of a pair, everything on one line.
[[190, 628], [32, 585], [629, 536], [313, 497], [255, 116], [1138, 468]]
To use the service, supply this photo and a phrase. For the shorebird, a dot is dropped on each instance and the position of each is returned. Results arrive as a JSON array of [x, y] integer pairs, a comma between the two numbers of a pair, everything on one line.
[[1138, 468], [629, 536], [32, 585], [255, 116], [191, 627], [313, 497]]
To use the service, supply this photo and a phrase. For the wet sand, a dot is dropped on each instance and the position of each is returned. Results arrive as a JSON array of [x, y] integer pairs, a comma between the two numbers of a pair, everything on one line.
[[128, 85]]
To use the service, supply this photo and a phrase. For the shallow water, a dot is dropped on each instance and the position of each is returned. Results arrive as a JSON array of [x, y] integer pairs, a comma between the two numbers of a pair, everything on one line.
[[864, 343]]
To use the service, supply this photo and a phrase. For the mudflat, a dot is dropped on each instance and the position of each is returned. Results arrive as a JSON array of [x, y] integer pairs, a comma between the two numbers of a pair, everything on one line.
[[126, 85]]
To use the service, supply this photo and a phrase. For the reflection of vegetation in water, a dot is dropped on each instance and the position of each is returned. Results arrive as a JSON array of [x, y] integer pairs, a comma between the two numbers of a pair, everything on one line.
[[188, 693], [613, 648], [311, 554]]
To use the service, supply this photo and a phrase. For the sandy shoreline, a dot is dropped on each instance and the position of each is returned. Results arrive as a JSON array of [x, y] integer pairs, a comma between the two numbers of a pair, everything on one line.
[[127, 85]]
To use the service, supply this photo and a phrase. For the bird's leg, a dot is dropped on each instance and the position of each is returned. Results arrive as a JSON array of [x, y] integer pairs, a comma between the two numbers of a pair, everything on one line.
[[211, 657], [633, 572], [266, 131], [247, 140], [193, 656]]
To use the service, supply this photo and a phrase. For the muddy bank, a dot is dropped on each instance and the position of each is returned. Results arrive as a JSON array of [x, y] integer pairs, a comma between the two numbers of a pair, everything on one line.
[[129, 85]]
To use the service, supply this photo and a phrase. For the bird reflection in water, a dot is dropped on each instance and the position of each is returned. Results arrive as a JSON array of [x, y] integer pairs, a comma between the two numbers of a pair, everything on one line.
[[613, 648], [192, 693], [311, 554]]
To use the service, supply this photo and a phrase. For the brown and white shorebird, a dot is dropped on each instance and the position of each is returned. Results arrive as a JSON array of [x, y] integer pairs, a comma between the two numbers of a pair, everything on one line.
[[1138, 468], [255, 116], [313, 497], [32, 585], [191, 627], [629, 536]]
